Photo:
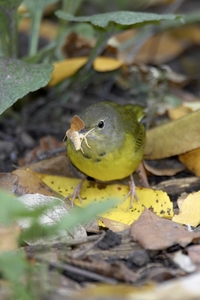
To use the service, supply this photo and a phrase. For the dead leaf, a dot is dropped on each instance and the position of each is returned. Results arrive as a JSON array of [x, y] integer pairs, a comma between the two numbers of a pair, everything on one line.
[[77, 46], [65, 69], [178, 112], [189, 213], [167, 167], [106, 64], [28, 183], [46, 144], [161, 48], [50, 217], [173, 138], [191, 160], [56, 165], [8, 238], [155, 233]]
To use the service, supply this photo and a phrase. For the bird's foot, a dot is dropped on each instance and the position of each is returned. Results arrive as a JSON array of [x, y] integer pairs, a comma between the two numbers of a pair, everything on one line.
[[76, 193], [132, 192]]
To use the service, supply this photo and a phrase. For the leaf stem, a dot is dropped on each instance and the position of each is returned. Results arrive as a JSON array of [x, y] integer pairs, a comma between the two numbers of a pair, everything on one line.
[[35, 27]]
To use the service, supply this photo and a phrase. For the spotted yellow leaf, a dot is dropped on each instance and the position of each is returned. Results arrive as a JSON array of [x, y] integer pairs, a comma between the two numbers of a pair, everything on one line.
[[157, 201]]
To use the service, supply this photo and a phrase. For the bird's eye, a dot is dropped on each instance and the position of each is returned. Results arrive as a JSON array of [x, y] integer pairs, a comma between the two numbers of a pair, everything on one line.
[[101, 124]]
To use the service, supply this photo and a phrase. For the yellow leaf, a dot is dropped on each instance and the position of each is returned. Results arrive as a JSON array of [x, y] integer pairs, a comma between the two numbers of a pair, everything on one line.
[[156, 200], [191, 160], [105, 64], [178, 112], [66, 68], [189, 210], [174, 138]]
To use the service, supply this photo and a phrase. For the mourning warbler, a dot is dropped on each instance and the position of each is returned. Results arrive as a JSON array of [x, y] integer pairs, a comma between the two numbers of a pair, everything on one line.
[[106, 141]]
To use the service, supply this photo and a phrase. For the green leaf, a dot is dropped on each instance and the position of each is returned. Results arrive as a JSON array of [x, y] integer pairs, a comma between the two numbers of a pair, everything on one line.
[[8, 27], [10, 208], [13, 265], [122, 18], [81, 215], [18, 78], [10, 4]]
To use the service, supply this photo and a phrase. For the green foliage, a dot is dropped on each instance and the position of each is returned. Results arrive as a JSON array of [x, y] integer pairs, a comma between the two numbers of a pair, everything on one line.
[[18, 78], [8, 27], [126, 19], [14, 265]]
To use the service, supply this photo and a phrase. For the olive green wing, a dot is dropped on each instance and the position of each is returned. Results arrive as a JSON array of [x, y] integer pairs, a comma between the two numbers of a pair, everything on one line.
[[136, 110], [133, 114]]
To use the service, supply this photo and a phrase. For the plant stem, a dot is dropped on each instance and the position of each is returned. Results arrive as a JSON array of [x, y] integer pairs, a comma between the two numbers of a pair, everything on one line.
[[35, 32]]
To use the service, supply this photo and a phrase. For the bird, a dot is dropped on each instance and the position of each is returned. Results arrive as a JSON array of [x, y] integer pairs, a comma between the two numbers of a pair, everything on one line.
[[106, 142]]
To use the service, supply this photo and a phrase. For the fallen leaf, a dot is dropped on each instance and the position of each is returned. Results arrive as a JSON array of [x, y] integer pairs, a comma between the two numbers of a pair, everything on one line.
[[91, 191], [178, 112], [173, 138], [46, 144], [8, 238], [167, 167], [22, 182], [66, 68], [161, 48], [189, 213], [155, 233], [49, 217], [56, 165], [191, 160], [106, 64], [77, 45]]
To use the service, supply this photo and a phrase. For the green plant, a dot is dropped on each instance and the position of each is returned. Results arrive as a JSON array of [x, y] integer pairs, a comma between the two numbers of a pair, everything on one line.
[[18, 77], [14, 266]]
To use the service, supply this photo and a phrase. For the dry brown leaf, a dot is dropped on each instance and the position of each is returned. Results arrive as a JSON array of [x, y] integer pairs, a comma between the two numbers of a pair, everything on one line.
[[9, 182], [77, 46], [8, 238], [155, 233], [22, 182], [46, 144], [188, 32], [191, 160], [174, 138], [160, 48], [167, 167], [56, 165]]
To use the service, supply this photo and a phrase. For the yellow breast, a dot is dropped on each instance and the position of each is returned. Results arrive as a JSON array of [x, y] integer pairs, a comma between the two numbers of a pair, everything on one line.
[[108, 165]]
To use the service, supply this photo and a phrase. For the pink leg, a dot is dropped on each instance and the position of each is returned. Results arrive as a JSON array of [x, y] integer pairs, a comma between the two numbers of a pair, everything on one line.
[[76, 193]]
